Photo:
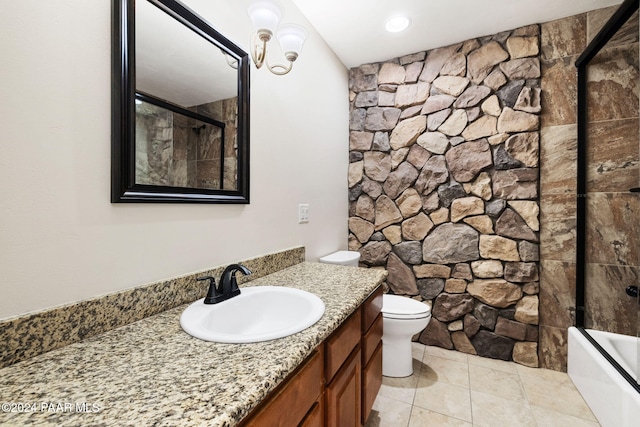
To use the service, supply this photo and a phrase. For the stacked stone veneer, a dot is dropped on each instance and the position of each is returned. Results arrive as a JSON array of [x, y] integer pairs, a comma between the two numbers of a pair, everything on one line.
[[443, 187]]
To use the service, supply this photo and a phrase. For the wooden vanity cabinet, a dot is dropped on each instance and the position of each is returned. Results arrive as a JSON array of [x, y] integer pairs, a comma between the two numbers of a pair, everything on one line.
[[337, 384]]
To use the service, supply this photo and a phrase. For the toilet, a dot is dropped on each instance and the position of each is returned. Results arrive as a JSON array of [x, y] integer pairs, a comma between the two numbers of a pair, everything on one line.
[[402, 318]]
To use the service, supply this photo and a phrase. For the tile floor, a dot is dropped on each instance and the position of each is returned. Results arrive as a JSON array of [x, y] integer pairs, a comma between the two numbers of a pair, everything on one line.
[[449, 388]]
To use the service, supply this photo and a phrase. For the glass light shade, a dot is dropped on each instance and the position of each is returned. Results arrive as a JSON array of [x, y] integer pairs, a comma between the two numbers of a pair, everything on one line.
[[265, 15], [291, 38]]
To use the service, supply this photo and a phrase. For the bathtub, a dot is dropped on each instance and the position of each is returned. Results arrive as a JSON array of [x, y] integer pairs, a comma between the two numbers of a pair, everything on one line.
[[614, 401]]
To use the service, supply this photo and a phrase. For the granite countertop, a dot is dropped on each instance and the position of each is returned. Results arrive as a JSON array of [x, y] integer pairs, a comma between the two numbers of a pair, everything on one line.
[[152, 373]]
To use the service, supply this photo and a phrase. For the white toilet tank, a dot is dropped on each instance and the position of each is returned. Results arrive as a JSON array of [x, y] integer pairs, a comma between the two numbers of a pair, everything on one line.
[[342, 258]]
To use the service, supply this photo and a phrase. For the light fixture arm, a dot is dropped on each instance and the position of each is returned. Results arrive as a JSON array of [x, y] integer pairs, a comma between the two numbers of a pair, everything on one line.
[[259, 47], [280, 70]]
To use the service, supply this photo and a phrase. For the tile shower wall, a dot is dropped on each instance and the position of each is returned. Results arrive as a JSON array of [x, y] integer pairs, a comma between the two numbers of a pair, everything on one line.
[[443, 187], [562, 41]]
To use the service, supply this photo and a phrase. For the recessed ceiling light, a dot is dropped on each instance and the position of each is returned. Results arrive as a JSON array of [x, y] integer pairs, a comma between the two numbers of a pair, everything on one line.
[[395, 24]]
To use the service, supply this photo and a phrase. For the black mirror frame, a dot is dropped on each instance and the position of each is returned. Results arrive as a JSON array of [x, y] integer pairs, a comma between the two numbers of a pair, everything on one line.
[[123, 186]]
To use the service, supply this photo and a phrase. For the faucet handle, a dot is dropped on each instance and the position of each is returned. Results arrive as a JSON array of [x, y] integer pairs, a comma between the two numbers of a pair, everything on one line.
[[213, 296]]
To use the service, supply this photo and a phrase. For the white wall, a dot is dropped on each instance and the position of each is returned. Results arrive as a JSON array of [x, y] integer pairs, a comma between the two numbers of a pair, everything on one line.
[[61, 240]]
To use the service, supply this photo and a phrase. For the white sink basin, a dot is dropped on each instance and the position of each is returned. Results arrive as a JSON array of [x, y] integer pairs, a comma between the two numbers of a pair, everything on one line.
[[259, 313]]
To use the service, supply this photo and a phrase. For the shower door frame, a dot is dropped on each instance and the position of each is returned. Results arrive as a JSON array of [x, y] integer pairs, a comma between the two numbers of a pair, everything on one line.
[[617, 20]]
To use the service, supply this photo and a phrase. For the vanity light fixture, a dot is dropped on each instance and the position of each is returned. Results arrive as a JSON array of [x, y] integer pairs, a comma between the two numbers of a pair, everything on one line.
[[265, 16], [397, 23]]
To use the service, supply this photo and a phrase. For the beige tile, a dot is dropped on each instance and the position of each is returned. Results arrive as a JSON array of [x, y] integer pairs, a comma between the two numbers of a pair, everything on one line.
[[492, 411], [555, 391], [425, 418], [499, 365], [388, 413], [401, 389], [447, 354], [446, 399], [446, 370], [496, 383], [549, 418]]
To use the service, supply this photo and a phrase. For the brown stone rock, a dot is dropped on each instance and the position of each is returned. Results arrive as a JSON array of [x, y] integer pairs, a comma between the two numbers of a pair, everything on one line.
[[436, 333], [451, 243], [356, 171], [377, 165], [400, 279], [529, 211], [372, 188], [408, 95], [416, 228], [432, 270], [532, 333], [521, 47], [359, 140], [511, 329], [387, 213], [398, 156], [433, 173], [529, 100], [367, 99], [412, 71], [524, 68], [381, 118], [365, 208], [391, 73], [481, 61], [481, 187], [439, 216], [360, 228], [497, 247], [486, 315], [436, 58], [491, 106], [407, 131], [466, 206], [386, 98], [495, 80], [431, 202], [375, 253], [472, 96], [482, 223], [527, 310], [451, 85], [353, 244], [495, 292], [524, 147], [393, 234], [511, 121], [488, 344], [435, 120], [449, 307], [409, 252], [455, 124], [483, 127], [454, 326], [516, 184], [521, 272], [418, 156], [528, 251], [455, 66], [526, 353], [487, 269], [409, 203], [410, 112], [430, 287], [434, 142], [461, 343], [455, 286], [400, 179], [531, 288], [473, 114], [471, 325], [498, 139], [437, 103], [462, 271], [412, 58], [467, 160], [510, 224]]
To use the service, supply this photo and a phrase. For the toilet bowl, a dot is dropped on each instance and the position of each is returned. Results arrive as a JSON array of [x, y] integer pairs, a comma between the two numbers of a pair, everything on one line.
[[402, 318]]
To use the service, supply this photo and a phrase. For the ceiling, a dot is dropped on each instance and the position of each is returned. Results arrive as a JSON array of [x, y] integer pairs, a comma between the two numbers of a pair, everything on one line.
[[355, 28]]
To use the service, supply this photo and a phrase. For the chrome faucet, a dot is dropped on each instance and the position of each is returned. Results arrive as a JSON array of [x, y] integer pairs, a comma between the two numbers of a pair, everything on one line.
[[228, 287]]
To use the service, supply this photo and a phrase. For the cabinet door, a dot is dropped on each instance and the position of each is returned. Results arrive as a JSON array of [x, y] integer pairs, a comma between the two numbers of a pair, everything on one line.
[[371, 382], [344, 393]]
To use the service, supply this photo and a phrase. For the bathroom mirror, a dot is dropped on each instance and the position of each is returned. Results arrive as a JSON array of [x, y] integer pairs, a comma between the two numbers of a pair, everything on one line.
[[180, 107]]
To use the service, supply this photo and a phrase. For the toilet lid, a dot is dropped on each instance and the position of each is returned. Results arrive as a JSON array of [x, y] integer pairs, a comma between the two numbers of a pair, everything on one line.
[[397, 307]]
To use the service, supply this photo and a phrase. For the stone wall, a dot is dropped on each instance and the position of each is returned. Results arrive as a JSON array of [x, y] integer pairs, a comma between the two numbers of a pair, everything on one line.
[[443, 187]]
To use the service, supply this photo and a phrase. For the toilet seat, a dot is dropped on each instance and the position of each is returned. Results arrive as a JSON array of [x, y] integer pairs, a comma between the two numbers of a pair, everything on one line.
[[397, 307]]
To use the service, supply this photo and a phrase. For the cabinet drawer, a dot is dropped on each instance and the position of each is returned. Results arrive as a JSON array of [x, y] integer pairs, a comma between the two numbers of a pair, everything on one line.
[[340, 344], [371, 339], [371, 382], [288, 405], [315, 417], [371, 308]]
